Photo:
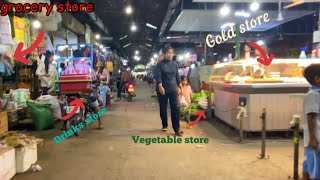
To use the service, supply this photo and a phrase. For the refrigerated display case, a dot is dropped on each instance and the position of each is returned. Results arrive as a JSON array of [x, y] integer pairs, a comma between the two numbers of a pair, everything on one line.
[[279, 87]]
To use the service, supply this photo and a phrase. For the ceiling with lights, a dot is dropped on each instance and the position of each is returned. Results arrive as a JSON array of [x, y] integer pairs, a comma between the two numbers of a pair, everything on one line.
[[138, 28]]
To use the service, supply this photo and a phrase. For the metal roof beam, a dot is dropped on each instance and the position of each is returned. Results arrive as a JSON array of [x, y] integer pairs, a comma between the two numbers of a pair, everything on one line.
[[171, 9]]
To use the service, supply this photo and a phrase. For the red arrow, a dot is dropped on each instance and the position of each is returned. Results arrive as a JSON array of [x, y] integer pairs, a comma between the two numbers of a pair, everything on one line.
[[200, 115], [266, 60], [19, 54], [77, 103]]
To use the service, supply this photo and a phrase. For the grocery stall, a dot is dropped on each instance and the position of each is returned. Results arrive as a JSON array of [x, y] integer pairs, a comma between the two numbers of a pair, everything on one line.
[[279, 88]]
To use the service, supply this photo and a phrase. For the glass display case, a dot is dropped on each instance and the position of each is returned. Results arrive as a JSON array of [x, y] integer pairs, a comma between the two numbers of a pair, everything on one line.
[[251, 71], [279, 87]]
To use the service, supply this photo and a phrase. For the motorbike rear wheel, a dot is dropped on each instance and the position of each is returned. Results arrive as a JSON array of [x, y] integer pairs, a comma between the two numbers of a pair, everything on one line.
[[74, 121]]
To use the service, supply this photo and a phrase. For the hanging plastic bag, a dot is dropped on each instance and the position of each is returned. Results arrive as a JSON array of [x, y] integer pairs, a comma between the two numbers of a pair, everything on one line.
[[2, 68], [5, 30]]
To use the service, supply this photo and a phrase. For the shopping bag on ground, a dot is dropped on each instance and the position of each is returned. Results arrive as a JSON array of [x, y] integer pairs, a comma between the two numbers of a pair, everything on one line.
[[41, 115]]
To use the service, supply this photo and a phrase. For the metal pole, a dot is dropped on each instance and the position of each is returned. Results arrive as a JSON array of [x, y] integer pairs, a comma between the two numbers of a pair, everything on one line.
[[263, 134], [296, 128], [238, 41], [209, 104], [241, 127]]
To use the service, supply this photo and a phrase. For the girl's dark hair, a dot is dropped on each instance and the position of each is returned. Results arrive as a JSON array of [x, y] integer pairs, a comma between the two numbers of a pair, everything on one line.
[[166, 49], [184, 77], [311, 72], [48, 55]]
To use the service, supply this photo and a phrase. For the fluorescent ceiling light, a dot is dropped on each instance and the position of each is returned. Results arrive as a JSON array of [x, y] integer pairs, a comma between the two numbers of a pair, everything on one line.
[[227, 24], [149, 45], [127, 45], [155, 55], [123, 37], [98, 36], [151, 26], [254, 6], [225, 10], [215, 54], [101, 46], [242, 13], [137, 52], [225, 59], [168, 37], [82, 45]]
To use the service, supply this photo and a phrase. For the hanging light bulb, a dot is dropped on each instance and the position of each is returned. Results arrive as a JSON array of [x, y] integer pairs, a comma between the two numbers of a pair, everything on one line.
[[254, 6], [225, 10], [36, 24], [133, 27]]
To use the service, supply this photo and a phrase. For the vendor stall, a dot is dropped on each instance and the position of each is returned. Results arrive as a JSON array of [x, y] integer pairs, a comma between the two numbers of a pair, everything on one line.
[[279, 88]]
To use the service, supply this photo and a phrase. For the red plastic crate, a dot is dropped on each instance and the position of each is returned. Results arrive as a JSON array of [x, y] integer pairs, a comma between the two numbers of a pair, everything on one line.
[[75, 77], [76, 86], [79, 83]]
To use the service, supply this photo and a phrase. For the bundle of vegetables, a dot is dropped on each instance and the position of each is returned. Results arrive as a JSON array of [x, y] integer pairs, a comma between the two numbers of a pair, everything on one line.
[[16, 139], [194, 108], [195, 97]]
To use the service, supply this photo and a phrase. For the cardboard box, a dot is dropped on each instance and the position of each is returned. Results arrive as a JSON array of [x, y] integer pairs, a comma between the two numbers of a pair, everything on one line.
[[7, 164], [3, 122], [25, 157]]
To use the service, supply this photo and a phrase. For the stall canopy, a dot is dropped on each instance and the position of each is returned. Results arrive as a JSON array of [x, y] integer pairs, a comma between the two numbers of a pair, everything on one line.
[[201, 20]]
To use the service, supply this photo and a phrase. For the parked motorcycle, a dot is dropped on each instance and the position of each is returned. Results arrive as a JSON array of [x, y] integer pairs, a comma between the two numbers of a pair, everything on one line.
[[77, 117], [129, 91]]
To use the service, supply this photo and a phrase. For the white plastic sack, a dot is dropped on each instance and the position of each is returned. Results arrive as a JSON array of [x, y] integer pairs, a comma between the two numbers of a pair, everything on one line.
[[5, 30], [54, 105]]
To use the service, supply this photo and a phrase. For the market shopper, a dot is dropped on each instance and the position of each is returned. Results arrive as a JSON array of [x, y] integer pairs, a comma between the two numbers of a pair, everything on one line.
[[46, 72], [168, 80], [103, 73], [125, 78], [311, 163], [185, 95]]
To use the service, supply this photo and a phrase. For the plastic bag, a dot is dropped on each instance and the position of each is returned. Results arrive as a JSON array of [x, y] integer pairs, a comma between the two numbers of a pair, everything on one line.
[[20, 96], [41, 115], [183, 101], [5, 30], [54, 105]]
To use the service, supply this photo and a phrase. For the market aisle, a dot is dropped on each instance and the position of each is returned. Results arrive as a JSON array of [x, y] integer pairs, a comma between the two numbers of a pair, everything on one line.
[[111, 154]]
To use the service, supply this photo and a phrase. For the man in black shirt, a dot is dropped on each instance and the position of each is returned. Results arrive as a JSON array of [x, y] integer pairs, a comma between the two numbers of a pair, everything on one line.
[[168, 82]]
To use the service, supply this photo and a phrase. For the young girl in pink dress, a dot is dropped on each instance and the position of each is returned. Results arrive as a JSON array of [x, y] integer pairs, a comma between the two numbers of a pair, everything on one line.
[[185, 95]]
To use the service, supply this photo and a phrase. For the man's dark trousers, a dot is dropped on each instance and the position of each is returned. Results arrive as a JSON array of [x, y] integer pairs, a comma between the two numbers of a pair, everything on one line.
[[174, 107]]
